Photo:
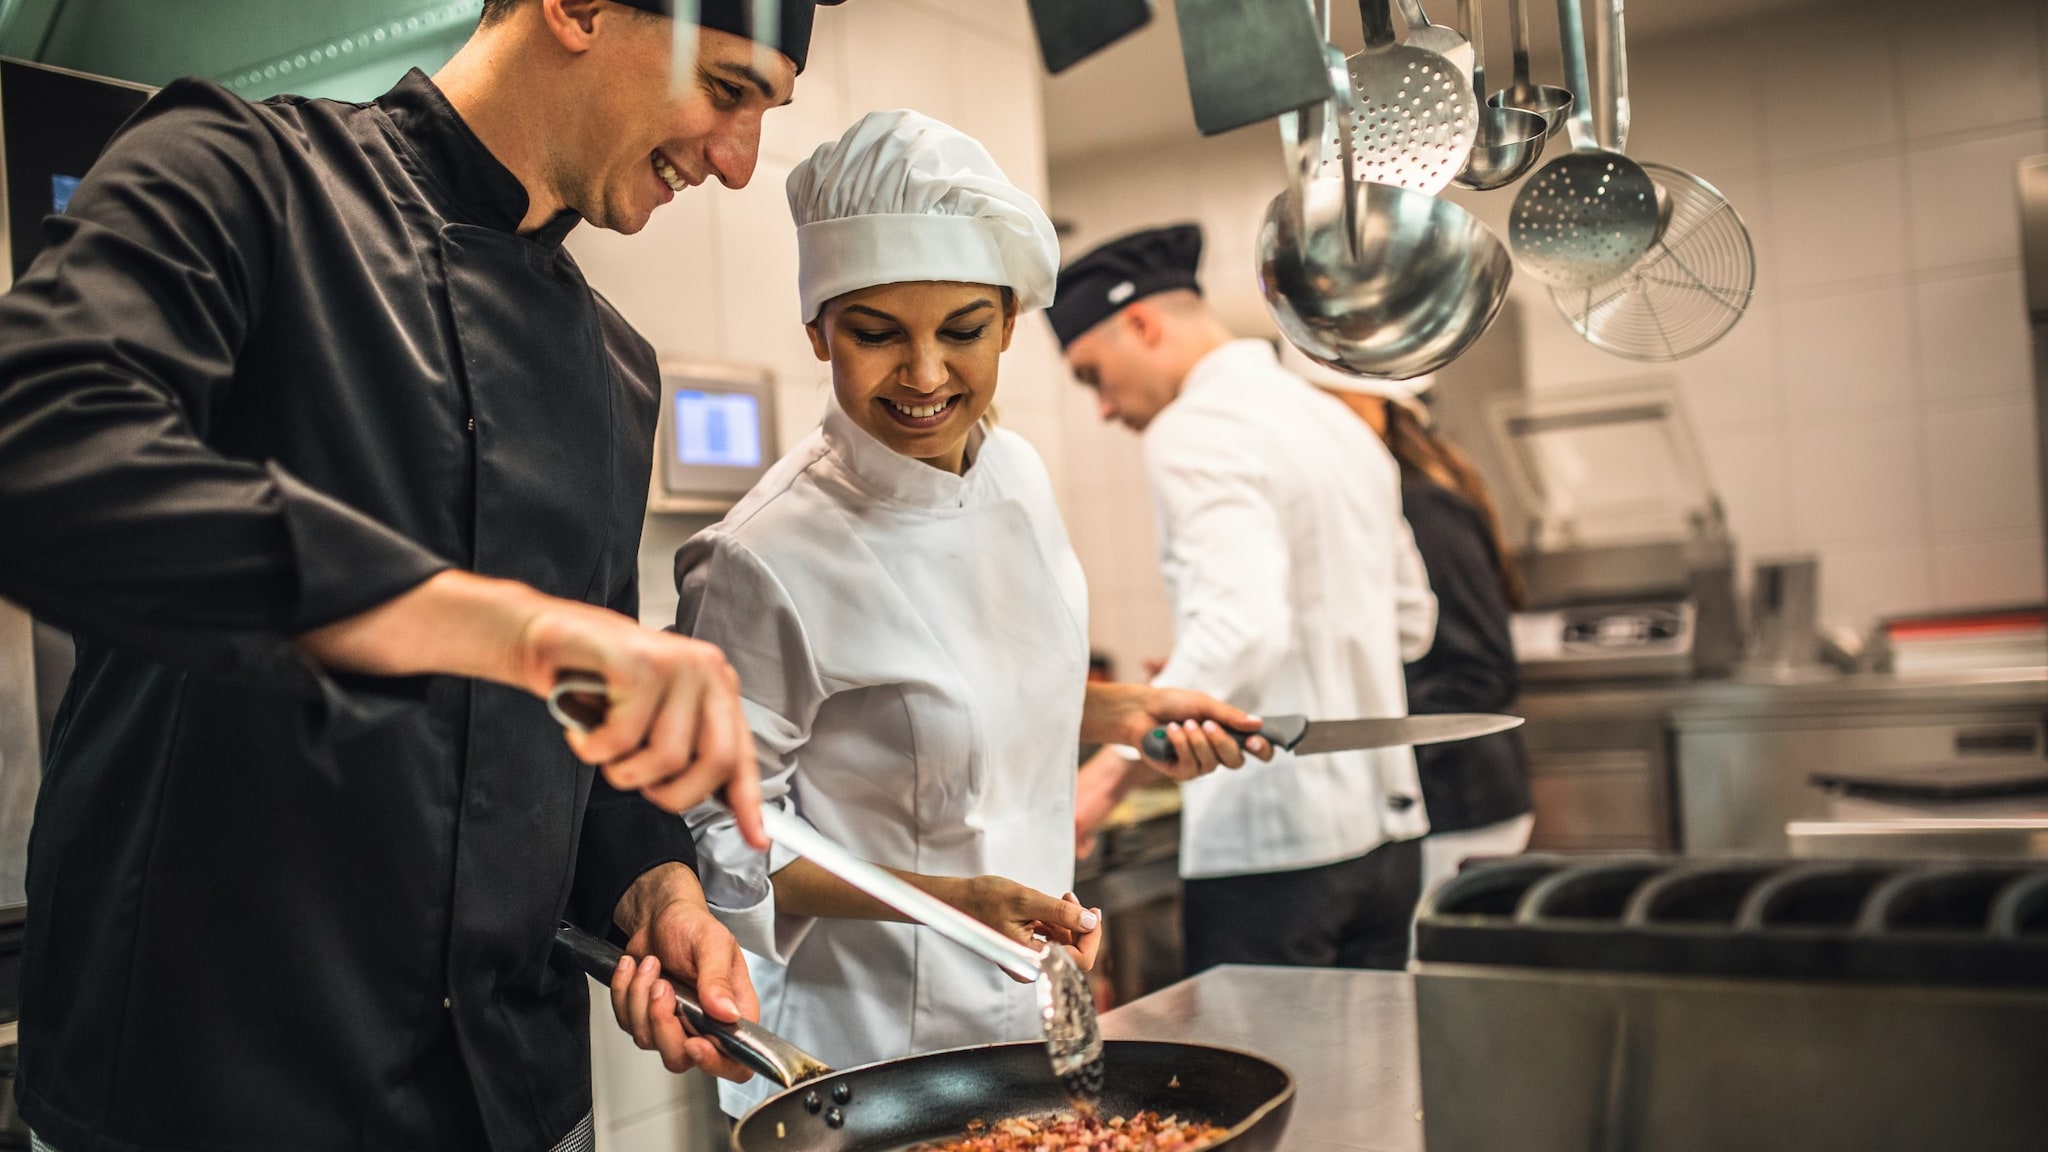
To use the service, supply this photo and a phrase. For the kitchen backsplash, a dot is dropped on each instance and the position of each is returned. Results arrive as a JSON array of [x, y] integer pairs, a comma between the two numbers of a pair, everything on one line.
[[1874, 407]]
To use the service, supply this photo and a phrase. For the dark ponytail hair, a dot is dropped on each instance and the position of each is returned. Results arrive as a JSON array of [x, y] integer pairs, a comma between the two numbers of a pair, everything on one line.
[[1422, 453]]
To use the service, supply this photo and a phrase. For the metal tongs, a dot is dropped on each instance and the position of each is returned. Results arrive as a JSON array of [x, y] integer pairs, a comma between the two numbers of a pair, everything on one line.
[[1073, 1037]]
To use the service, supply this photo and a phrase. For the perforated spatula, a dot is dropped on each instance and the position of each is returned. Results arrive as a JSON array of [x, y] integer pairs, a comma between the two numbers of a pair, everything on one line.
[[1415, 118]]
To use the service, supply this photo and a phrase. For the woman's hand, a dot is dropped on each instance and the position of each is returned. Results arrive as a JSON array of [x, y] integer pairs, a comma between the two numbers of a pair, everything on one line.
[[1026, 915]]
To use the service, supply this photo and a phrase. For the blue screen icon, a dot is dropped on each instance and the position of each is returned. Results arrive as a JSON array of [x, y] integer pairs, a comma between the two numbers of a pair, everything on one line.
[[721, 428], [61, 188]]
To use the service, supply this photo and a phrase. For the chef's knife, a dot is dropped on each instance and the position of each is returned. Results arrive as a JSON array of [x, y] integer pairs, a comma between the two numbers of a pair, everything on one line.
[[1305, 737]]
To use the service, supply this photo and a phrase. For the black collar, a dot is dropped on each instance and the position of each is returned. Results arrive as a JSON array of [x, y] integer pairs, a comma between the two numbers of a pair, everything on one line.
[[484, 192]]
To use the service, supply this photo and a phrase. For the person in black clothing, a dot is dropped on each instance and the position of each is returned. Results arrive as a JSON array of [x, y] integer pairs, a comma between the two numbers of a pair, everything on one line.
[[1475, 791], [315, 438]]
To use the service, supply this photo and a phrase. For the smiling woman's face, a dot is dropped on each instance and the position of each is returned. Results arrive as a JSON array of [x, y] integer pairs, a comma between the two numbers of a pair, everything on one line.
[[915, 364]]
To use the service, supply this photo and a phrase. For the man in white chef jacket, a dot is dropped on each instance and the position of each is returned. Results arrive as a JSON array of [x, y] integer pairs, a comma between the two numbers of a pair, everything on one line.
[[1296, 588]]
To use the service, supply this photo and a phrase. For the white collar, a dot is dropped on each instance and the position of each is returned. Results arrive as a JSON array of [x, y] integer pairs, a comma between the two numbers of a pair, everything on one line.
[[893, 476], [1236, 358]]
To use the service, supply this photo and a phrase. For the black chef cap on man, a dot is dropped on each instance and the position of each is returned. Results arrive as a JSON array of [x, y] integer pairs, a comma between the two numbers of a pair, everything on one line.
[[792, 37], [1097, 286]]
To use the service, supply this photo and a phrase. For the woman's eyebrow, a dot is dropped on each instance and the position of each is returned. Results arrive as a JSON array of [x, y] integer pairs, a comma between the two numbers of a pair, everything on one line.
[[957, 313], [877, 313]]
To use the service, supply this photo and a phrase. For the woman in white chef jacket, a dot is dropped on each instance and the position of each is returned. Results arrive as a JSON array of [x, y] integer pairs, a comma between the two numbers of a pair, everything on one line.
[[908, 620]]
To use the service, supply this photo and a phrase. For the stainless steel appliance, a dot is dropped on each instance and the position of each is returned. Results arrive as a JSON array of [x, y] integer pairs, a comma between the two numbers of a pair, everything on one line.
[[1631, 600], [1753, 758], [1629, 568], [1661, 1004], [1784, 617]]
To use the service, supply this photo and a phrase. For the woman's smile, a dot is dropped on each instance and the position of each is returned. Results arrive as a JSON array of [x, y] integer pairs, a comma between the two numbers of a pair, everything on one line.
[[920, 414]]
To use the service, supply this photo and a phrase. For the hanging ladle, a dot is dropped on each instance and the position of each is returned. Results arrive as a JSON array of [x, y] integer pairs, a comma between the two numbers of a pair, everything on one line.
[[1546, 100], [1509, 140]]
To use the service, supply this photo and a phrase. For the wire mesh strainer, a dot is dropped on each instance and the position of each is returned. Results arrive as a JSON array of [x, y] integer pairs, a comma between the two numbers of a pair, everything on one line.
[[1685, 293]]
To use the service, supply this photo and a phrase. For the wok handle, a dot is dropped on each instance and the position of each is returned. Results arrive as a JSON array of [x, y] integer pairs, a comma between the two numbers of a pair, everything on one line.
[[745, 1041], [1281, 731]]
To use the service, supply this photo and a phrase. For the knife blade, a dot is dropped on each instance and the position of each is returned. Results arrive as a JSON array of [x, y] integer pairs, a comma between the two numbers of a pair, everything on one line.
[[1305, 737]]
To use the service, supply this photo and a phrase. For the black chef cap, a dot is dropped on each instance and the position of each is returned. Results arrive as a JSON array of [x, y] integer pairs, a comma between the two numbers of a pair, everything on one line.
[[1098, 285], [792, 38]]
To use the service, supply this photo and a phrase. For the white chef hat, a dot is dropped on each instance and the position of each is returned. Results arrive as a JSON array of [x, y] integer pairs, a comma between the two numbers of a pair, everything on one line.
[[1407, 392], [902, 197]]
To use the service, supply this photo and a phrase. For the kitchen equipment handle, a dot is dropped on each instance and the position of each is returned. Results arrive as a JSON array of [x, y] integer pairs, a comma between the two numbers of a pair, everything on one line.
[[1280, 731], [1378, 18], [1472, 19], [1411, 11], [745, 1041], [926, 909], [1614, 52], [1518, 30], [1571, 36], [578, 700]]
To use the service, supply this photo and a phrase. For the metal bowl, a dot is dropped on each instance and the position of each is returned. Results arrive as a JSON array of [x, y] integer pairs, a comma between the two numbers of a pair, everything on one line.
[[1408, 291]]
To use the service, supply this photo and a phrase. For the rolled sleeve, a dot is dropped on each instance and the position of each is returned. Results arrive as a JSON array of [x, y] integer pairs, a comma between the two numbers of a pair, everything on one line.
[[728, 597], [624, 837], [118, 351]]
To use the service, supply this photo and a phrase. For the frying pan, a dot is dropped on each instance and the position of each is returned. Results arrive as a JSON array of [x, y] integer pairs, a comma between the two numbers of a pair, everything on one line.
[[891, 1104]]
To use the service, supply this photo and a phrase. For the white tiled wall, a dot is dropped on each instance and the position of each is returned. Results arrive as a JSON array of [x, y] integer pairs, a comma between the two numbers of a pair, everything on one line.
[[713, 277], [1875, 405]]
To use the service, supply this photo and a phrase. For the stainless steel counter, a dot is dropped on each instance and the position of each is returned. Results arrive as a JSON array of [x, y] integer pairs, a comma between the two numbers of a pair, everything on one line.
[[1723, 765], [1708, 701], [1348, 1037]]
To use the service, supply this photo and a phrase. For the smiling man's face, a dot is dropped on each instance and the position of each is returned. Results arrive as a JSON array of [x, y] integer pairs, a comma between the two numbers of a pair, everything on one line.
[[639, 141]]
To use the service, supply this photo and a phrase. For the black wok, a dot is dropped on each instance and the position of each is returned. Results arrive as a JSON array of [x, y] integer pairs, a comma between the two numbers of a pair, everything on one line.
[[889, 1105]]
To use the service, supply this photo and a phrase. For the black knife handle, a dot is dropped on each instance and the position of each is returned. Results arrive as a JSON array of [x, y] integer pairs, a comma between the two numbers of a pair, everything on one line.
[[1281, 731]]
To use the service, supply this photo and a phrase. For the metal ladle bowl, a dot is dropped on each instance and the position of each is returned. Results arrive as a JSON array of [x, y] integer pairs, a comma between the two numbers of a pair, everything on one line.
[[1508, 143], [1408, 291], [1552, 103]]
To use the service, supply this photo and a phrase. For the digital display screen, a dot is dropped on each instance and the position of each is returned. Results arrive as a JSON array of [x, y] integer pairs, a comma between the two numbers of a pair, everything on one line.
[[61, 188], [718, 428]]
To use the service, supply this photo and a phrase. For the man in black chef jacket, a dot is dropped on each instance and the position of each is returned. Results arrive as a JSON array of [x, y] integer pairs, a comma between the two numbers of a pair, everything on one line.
[[315, 437]]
